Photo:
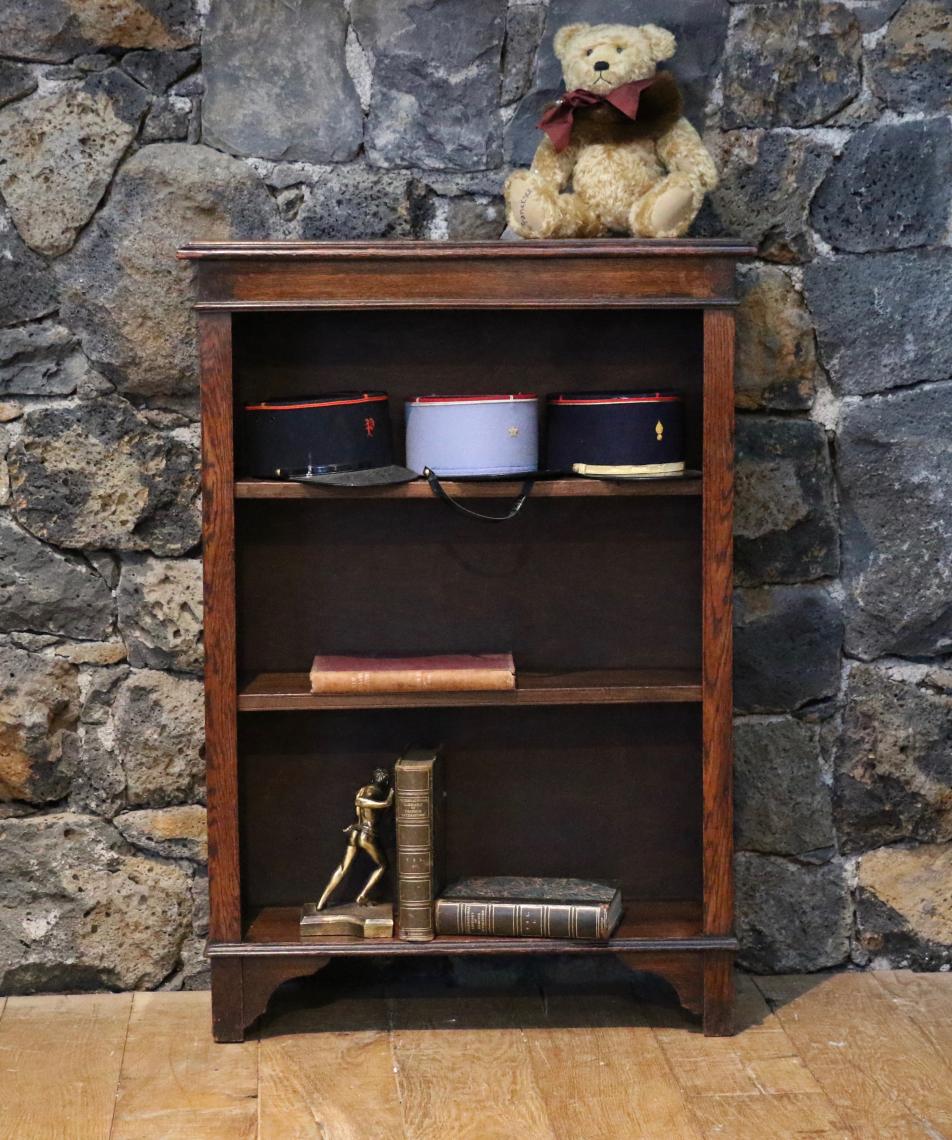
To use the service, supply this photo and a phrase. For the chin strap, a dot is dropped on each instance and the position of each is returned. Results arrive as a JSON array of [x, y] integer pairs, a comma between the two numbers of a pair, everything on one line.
[[440, 492]]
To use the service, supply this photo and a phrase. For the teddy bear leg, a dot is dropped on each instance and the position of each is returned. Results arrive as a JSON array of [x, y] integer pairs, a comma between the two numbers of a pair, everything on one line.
[[532, 208], [667, 210], [577, 219]]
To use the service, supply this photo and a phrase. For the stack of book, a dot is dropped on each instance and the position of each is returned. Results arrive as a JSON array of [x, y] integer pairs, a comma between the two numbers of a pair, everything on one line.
[[512, 907]]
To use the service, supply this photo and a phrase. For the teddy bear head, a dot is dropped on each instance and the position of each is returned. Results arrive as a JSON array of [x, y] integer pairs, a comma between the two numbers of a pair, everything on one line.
[[601, 57]]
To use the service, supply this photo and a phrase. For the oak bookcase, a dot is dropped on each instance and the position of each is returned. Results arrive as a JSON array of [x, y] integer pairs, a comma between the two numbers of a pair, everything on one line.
[[612, 759]]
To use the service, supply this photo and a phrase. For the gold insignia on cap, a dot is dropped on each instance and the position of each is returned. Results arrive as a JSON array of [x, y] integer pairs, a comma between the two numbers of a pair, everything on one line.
[[659, 430]]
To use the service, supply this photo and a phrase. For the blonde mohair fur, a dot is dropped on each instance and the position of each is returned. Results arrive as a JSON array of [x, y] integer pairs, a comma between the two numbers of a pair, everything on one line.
[[613, 177]]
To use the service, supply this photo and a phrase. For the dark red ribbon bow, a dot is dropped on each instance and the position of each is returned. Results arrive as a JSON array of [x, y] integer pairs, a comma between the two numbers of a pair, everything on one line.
[[557, 121]]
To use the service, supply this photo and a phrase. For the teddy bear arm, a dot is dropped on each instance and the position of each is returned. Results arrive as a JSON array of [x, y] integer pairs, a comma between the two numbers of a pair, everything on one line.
[[552, 166], [683, 152]]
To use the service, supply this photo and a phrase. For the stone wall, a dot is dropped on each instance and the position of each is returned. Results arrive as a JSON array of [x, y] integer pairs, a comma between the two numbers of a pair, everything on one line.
[[129, 126]]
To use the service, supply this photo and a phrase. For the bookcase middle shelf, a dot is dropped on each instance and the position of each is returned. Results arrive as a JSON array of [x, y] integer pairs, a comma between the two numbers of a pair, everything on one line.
[[283, 692]]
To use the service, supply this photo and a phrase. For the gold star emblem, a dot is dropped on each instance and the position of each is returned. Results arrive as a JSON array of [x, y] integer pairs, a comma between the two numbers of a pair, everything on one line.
[[513, 431]]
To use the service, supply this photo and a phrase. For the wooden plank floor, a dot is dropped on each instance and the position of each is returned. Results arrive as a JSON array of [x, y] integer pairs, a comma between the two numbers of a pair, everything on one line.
[[840, 1055]]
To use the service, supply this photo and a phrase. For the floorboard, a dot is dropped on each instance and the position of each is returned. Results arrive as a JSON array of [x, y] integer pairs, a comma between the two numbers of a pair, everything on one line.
[[602, 1073], [59, 1065], [875, 1064], [328, 1072], [751, 1085], [176, 1083], [865, 1056], [463, 1067]]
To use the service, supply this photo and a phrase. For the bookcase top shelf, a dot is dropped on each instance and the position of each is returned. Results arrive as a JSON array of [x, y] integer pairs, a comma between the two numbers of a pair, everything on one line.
[[310, 276], [478, 489], [439, 250], [283, 692]]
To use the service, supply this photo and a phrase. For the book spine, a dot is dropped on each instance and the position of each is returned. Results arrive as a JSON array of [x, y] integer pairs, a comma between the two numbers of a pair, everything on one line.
[[411, 680], [413, 789], [521, 920]]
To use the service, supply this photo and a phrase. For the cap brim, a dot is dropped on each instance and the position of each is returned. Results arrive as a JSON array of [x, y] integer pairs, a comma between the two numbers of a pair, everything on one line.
[[370, 477]]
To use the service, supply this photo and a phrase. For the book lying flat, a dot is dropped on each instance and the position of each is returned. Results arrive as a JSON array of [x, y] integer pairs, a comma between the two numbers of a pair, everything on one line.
[[476, 672], [529, 908]]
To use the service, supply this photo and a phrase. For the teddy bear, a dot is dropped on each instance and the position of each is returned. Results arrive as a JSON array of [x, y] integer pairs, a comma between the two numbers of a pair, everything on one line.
[[635, 164]]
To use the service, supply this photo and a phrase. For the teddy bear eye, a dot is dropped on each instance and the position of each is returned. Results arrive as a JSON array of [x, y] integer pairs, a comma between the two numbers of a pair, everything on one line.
[[619, 50], [589, 52]]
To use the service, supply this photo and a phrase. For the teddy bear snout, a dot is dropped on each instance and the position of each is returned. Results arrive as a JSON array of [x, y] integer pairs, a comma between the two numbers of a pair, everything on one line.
[[602, 65]]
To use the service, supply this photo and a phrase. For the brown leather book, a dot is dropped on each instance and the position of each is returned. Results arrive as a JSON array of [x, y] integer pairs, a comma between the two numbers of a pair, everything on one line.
[[512, 907], [418, 790], [448, 674]]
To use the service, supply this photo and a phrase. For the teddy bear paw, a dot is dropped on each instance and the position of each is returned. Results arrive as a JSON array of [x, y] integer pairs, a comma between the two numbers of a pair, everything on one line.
[[533, 207], [667, 211]]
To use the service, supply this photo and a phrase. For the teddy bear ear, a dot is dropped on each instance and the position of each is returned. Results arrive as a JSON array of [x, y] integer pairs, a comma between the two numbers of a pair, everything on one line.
[[661, 42], [564, 36]]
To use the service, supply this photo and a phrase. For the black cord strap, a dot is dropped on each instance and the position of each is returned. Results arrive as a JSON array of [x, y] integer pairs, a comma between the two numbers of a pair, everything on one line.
[[438, 490]]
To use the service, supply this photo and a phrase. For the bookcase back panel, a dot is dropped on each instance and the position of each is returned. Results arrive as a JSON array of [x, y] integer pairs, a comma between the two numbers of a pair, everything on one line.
[[479, 351], [568, 584], [609, 792]]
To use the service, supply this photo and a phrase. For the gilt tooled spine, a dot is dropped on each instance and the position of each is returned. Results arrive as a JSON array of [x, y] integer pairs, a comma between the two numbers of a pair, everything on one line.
[[414, 787], [521, 920]]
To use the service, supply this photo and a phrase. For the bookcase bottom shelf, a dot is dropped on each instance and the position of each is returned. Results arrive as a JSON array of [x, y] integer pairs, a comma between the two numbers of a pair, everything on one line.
[[645, 926]]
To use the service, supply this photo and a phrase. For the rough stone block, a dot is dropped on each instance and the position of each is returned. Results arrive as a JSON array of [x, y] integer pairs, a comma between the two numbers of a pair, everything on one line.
[[348, 202], [158, 70], [159, 730], [791, 916], [16, 80], [889, 189], [168, 120], [160, 613], [58, 152], [767, 179], [909, 67], [895, 468], [276, 85], [39, 711], [435, 94], [699, 26], [904, 907], [123, 291], [96, 475], [173, 832], [80, 911], [41, 359], [894, 758], [524, 24], [27, 286], [792, 64], [782, 798], [775, 362], [883, 320], [787, 642], [45, 591], [785, 525], [58, 30]]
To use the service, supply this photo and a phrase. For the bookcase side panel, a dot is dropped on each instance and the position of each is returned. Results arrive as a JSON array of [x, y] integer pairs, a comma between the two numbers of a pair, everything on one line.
[[218, 530], [716, 609]]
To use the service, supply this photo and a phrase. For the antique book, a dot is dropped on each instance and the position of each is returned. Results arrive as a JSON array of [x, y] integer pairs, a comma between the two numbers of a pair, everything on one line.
[[448, 674], [418, 789], [514, 907]]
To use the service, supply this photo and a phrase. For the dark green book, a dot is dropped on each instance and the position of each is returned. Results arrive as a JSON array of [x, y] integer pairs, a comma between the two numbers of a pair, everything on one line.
[[516, 907]]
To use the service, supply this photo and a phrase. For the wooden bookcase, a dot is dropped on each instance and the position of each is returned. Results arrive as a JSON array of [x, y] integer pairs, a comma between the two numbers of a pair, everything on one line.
[[613, 757]]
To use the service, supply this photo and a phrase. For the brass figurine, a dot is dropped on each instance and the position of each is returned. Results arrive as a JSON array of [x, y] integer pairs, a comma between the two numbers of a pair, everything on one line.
[[362, 835], [361, 917]]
